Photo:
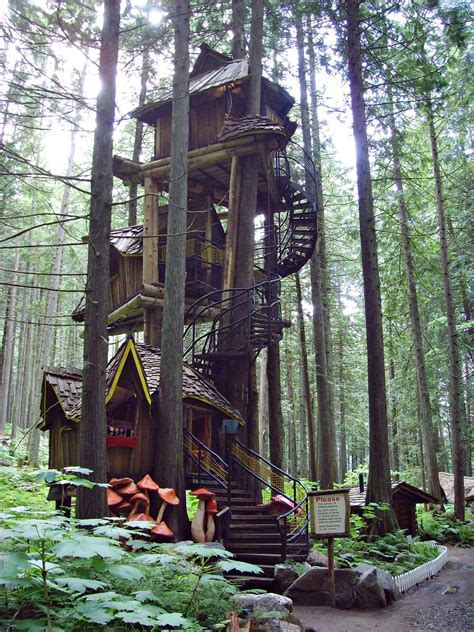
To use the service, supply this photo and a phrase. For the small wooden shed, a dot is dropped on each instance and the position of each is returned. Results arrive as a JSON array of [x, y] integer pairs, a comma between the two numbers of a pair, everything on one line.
[[133, 420], [405, 497]]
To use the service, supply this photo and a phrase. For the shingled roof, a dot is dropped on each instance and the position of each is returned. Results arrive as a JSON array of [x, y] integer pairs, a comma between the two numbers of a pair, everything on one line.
[[128, 240], [358, 499], [67, 383], [67, 386]]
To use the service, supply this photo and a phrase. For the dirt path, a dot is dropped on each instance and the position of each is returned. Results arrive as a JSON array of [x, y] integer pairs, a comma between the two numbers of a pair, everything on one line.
[[444, 603]]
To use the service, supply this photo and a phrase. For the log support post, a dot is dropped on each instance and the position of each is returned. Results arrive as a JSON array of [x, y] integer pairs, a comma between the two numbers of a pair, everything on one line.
[[153, 315]]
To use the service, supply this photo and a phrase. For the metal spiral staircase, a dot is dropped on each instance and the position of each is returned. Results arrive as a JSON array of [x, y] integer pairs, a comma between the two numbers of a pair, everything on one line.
[[249, 319]]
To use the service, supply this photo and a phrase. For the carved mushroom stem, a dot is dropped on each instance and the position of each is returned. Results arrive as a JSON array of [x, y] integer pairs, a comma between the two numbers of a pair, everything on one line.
[[161, 511]]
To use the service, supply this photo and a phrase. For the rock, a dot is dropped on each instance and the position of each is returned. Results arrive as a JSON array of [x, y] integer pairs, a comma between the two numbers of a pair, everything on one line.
[[370, 592], [392, 593], [385, 579], [284, 576], [315, 558], [255, 607], [251, 605], [311, 589]]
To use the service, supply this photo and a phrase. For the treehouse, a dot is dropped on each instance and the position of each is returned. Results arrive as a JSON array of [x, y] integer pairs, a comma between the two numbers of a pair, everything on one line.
[[232, 303], [133, 424]]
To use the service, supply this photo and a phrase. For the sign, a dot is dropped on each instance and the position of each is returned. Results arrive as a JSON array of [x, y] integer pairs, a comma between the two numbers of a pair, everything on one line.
[[330, 513]]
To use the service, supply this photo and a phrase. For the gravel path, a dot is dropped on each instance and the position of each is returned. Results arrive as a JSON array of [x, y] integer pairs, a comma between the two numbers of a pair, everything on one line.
[[444, 603]]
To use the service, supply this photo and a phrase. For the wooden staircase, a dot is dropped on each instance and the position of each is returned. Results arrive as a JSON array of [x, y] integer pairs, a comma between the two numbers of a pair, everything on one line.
[[250, 533]]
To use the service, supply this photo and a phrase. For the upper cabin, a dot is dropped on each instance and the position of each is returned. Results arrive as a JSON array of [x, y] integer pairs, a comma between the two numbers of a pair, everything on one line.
[[217, 91]]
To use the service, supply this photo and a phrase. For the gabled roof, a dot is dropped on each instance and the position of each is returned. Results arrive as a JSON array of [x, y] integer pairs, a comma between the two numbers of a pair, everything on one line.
[[230, 72], [67, 383], [211, 70], [67, 386], [358, 498]]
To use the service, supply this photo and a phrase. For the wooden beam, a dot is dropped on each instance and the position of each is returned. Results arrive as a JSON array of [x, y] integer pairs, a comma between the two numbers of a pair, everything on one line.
[[232, 222], [152, 319]]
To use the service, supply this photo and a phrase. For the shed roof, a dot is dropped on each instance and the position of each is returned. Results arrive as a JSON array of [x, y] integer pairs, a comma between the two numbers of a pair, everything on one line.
[[67, 383], [358, 498], [447, 483], [128, 240]]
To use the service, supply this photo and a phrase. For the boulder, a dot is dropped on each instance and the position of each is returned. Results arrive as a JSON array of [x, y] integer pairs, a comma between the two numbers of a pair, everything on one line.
[[315, 558], [284, 576], [278, 607], [312, 589], [370, 592], [250, 605], [384, 578]]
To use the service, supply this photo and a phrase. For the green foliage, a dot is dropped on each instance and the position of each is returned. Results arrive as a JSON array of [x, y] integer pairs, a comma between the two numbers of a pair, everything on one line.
[[393, 552], [61, 574], [445, 528], [64, 575]]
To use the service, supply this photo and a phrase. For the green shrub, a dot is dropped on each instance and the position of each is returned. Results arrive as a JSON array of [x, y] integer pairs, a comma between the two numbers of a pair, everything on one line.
[[445, 528]]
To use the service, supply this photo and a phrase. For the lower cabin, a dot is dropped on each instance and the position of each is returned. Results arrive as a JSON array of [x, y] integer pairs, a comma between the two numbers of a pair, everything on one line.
[[133, 420], [405, 498]]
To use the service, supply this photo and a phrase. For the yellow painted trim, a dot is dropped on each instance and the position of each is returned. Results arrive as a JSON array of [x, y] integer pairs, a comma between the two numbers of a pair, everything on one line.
[[129, 348], [210, 403]]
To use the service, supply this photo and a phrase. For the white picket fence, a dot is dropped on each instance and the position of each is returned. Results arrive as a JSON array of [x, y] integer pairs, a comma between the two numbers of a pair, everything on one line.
[[425, 571]]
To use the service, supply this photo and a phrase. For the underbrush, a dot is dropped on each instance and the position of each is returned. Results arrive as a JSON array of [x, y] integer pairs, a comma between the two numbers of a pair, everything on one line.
[[60, 574], [445, 528], [393, 552]]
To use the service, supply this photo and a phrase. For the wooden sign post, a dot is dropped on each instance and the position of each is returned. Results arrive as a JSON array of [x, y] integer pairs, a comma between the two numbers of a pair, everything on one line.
[[330, 518]]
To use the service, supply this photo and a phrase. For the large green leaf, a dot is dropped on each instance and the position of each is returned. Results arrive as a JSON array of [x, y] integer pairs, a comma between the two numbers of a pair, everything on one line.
[[94, 612], [80, 585], [124, 571], [240, 567], [86, 546]]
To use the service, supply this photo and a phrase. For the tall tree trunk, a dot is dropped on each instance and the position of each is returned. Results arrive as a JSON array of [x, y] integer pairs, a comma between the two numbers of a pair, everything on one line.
[[137, 142], [92, 429], [454, 372], [263, 448], [313, 473], [327, 458], [291, 443], [169, 452], [378, 486], [342, 409], [303, 461], [423, 394], [394, 443], [7, 347], [238, 22]]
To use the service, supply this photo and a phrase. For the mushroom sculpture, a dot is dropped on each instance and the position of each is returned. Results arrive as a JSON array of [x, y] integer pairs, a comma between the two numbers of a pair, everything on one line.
[[168, 497], [161, 532], [278, 504], [197, 524], [140, 502], [211, 509]]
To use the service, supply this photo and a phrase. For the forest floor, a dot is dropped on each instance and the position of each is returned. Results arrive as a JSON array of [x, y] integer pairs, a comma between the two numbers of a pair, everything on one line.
[[443, 603]]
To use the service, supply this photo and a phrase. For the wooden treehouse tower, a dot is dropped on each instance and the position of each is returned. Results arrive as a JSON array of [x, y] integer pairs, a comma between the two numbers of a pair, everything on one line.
[[228, 320]]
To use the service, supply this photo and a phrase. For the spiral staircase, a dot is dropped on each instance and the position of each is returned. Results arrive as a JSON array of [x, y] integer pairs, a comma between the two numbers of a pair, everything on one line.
[[247, 320]]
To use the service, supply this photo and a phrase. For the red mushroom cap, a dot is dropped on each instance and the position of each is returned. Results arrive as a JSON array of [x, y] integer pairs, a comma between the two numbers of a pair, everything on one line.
[[124, 506], [142, 517], [168, 495], [129, 489], [202, 494], [117, 483], [113, 499], [148, 484], [211, 506], [283, 500], [163, 530]]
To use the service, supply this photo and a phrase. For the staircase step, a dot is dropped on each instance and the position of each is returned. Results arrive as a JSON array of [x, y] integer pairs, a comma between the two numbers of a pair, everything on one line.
[[237, 536]]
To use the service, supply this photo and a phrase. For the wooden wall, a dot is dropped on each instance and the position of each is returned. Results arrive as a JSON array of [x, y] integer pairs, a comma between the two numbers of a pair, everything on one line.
[[127, 282]]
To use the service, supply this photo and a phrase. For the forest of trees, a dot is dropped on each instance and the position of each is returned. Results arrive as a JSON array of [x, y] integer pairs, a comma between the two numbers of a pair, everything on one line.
[[378, 361]]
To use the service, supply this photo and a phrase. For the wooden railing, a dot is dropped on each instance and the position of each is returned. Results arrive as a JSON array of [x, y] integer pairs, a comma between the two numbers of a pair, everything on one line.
[[293, 525]]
